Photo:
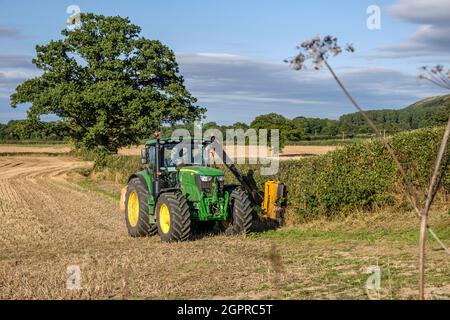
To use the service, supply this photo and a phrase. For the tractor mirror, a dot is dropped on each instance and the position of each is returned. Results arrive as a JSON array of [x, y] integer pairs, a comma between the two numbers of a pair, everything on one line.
[[144, 156]]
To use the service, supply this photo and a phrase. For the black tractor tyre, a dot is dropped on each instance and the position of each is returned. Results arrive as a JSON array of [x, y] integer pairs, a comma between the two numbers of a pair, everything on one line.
[[142, 227], [241, 220], [179, 227]]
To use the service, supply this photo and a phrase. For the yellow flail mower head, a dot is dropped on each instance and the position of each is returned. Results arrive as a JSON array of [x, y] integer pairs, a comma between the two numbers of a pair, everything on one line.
[[274, 201]]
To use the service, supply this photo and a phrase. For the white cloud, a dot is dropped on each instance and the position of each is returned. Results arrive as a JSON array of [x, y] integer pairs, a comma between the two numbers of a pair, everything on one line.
[[432, 37], [434, 12], [15, 75], [10, 79], [237, 88], [10, 33], [231, 86], [16, 61]]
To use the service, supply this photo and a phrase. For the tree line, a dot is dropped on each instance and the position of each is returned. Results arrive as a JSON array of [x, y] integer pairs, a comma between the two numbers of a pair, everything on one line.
[[20, 130], [426, 113], [430, 112]]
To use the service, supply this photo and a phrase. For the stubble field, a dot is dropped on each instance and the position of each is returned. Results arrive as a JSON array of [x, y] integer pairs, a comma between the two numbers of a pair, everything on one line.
[[52, 217]]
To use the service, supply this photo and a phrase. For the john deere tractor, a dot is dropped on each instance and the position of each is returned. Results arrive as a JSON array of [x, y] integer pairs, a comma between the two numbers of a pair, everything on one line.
[[178, 190]]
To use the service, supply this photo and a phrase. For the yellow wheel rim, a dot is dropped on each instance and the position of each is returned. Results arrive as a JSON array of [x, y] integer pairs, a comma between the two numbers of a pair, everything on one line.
[[164, 218], [133, 208]]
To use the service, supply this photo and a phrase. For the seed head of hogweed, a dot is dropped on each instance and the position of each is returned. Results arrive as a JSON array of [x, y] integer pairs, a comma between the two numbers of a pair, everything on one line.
[[316, 50], [349, 47], [437, 75], [438, 69]]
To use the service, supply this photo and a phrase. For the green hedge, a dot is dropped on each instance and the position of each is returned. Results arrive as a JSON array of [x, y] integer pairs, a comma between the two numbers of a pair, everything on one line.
[[357, 176]]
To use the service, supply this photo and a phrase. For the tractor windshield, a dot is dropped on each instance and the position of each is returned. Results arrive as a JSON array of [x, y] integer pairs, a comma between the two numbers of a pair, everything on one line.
[[175, 154]]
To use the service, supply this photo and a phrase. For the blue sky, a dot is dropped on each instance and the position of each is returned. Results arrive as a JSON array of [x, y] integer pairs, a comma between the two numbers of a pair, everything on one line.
[[231, 52]]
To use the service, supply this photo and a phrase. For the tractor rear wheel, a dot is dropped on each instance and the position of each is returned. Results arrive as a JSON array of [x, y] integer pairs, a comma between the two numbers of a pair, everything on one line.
[[173, 217], [137, 215], [241, 213]]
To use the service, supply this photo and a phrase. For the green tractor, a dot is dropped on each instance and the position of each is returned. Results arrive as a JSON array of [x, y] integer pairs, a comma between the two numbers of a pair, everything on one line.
[[178, 190]]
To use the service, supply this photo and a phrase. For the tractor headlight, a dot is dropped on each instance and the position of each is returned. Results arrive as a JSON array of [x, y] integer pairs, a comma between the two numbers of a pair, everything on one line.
[[220, 178], [206, 178]]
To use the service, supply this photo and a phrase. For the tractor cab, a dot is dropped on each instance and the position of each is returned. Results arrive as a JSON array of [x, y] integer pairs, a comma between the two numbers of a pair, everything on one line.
[[164, 158], [169, 153]]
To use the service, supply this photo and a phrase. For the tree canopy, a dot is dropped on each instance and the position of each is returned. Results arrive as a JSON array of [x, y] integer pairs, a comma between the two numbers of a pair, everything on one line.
[[110, 85], [33, 130], [288, 130], [429, 112]]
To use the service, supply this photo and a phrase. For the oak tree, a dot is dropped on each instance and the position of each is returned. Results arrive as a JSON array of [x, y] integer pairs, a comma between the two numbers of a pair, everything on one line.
[[109, 84]]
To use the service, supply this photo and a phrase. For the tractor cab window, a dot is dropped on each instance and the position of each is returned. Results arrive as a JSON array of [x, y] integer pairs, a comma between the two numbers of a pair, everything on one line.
[[152, 157], [181, 154], [169, 154]]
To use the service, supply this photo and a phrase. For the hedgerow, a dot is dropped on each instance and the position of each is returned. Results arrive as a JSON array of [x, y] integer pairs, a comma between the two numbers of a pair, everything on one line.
[[359, 176]]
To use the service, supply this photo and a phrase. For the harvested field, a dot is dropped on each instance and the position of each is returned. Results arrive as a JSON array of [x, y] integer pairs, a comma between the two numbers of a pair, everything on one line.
[[14, 149], [289, 152], [52, 219]]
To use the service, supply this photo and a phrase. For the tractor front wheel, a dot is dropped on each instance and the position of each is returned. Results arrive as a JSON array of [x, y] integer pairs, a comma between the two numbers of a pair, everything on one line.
[[137, 210], [173, 217]]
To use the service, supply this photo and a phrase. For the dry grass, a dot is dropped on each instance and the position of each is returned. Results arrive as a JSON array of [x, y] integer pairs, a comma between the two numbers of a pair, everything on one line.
[[50, 220]]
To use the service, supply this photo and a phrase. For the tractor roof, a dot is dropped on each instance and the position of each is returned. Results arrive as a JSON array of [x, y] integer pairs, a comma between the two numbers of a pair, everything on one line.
[[171, 140]]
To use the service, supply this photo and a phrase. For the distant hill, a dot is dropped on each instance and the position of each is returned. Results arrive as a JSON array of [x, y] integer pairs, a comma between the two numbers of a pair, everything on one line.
[[429, 112]]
